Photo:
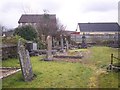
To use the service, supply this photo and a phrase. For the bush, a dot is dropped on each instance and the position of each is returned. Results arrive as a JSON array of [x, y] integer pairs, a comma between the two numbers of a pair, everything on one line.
[[26, 32]]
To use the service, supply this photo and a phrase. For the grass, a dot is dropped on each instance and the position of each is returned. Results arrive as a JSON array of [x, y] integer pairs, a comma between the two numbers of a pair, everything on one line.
[[101, 56], [68, 75], [108, 80], [100, 59], [52, 74], [11, 63]]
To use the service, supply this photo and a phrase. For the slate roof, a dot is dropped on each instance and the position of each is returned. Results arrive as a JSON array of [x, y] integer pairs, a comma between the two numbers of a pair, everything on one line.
[[99, 27], [36, 18]]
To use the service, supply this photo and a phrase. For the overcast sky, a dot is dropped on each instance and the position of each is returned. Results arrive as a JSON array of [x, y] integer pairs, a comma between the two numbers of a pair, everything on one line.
[[69, 12]]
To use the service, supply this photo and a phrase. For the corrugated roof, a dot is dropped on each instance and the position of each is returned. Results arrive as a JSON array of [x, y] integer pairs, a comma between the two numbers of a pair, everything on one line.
[[99, 27], [36, 18]]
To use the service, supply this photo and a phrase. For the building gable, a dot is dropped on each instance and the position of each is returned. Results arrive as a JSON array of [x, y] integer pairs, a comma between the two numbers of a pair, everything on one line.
[[36, 18]]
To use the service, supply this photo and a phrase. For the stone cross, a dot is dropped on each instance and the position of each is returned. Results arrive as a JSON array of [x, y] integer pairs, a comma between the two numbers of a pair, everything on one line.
[[25, 63], [49, 48]]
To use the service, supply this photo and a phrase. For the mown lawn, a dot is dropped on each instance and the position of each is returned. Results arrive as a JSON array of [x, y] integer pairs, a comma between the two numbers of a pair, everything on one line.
[[55, 74], [52, 74]]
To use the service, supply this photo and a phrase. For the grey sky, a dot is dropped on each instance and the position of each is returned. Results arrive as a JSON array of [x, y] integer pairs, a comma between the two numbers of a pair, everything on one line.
[[69, 12]]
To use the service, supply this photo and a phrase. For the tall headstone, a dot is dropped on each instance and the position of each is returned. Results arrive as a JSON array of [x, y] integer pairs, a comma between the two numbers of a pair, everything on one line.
[[67, 44], [25, 63], [49, 48], [62, 46], [53, 41], [84, 44]]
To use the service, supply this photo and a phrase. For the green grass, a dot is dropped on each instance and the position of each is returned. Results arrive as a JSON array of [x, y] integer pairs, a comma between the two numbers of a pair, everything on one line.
[[10, 63], [101, 56], [108, 80], [52, 74], [68, 75]]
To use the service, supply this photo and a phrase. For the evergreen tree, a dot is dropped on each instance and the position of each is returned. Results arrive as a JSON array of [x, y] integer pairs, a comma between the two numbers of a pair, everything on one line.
[[26, 32]]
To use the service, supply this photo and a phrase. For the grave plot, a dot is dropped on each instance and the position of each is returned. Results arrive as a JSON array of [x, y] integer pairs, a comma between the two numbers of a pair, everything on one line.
[[7, 71], [76, 56]]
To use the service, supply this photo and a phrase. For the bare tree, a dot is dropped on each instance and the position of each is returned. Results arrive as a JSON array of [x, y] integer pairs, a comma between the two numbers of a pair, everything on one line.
[[60, 29], [49, 26], [46, 26]]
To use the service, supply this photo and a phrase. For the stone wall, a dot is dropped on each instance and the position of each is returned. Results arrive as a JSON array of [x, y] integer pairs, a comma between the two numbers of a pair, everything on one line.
[[9, 47], [9, 51]]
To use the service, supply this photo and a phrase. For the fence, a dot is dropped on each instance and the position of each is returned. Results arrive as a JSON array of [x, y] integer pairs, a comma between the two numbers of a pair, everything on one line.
[[112, 58], [112, 66]]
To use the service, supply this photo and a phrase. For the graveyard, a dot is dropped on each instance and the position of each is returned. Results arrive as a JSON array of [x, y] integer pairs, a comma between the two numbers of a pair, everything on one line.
[[45, 55], [56, 44], [88, 72]]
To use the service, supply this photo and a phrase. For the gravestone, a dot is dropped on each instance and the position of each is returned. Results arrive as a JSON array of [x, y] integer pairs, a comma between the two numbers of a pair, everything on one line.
[[84, 44], [49, 48], [25, 63], [34, 46], [62, 45], [67, 44], [30, 46]]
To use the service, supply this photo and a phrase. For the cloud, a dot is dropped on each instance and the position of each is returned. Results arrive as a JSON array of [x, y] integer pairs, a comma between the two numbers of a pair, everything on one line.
[[69, 12], [7, 6], [100, 5], [38, 6], [50, 6]]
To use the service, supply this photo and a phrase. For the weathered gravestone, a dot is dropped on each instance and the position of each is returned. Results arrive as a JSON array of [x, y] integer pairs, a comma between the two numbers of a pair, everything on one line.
[[25, 63], [84, 43], [49, 55], [62, 45], [67, 44]]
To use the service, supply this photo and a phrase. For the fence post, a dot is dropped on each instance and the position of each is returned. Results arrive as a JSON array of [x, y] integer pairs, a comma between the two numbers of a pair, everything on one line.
[[111, 59], [111, 62]]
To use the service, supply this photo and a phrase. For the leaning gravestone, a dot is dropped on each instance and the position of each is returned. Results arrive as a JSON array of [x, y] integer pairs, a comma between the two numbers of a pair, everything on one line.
[[49, 49], [25, 64]]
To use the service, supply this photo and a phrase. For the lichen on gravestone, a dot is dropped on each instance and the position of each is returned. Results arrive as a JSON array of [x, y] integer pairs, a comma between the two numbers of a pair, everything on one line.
[[25, 63]]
